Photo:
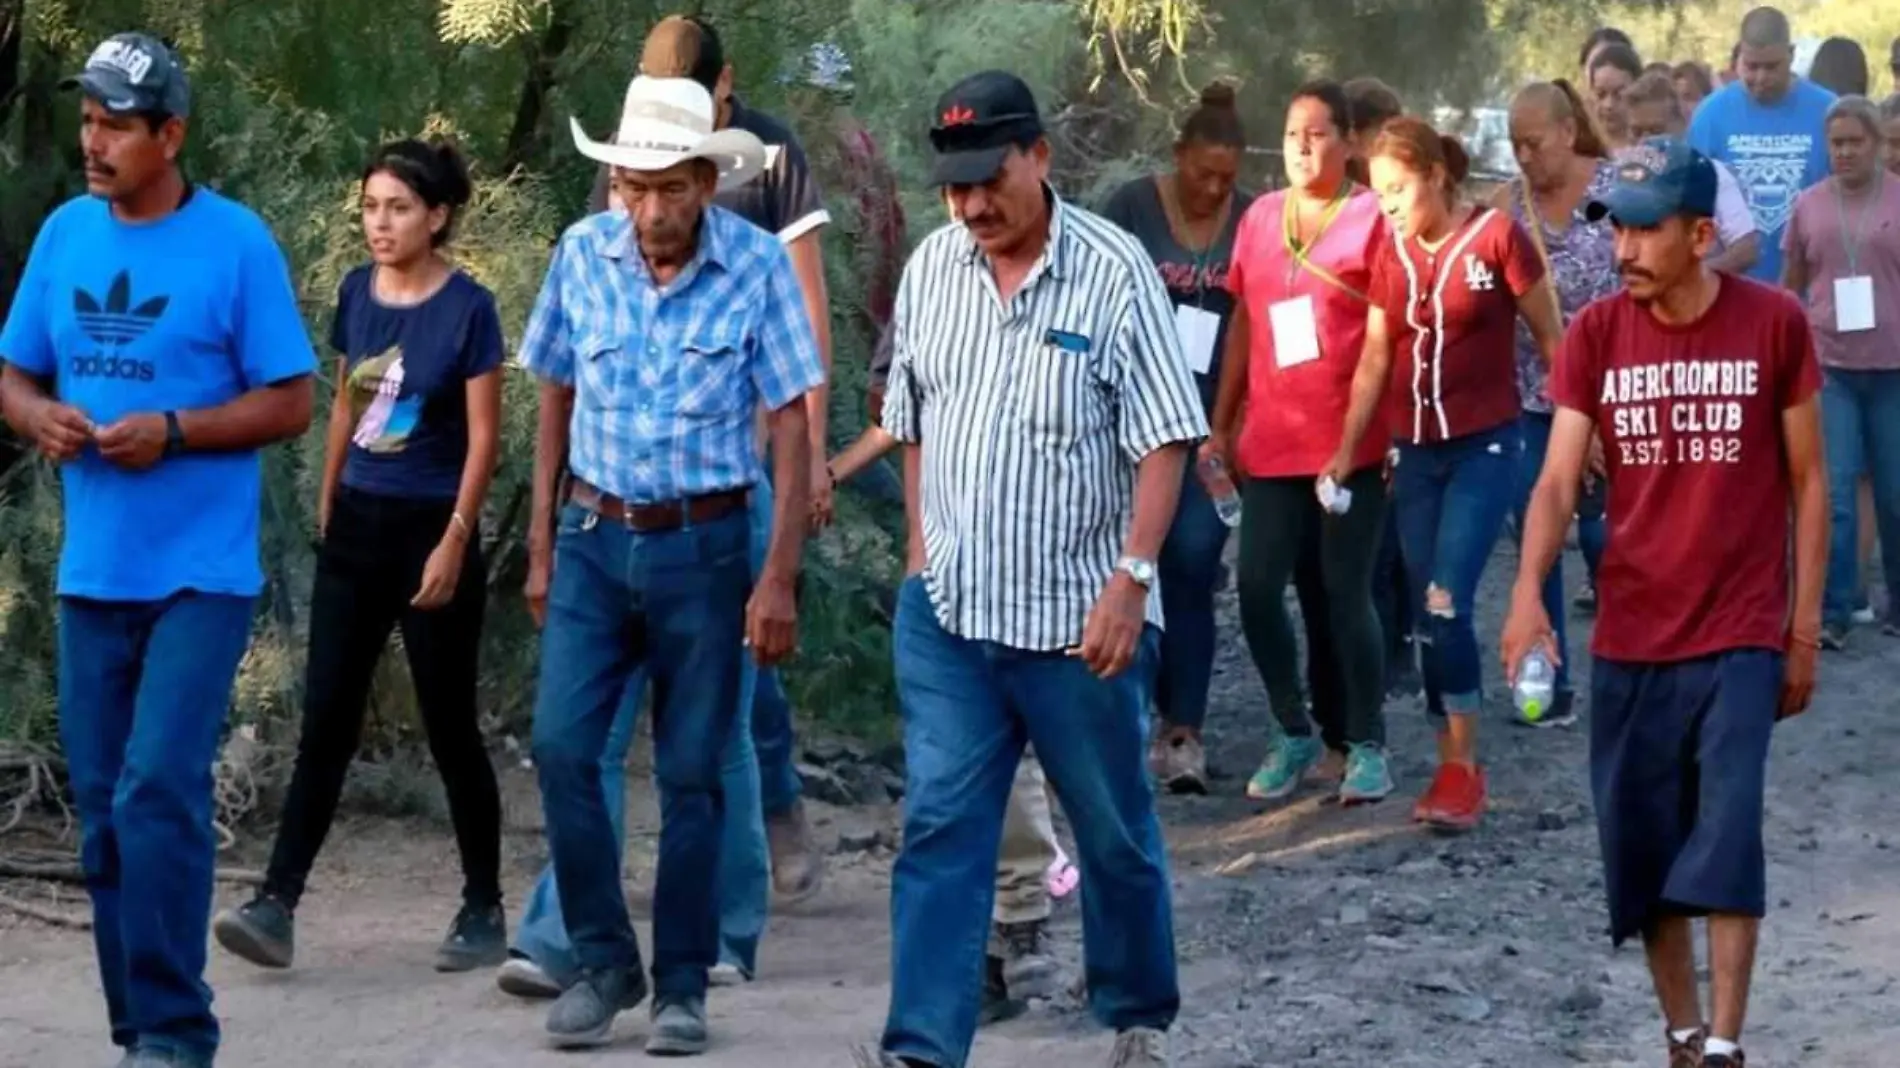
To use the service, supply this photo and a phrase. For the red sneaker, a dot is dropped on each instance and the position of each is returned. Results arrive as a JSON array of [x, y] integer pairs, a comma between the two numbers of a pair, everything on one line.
[[1455, 800]]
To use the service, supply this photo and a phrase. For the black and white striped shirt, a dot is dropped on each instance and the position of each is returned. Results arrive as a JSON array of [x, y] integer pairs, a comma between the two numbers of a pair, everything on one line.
[[1033, 416]]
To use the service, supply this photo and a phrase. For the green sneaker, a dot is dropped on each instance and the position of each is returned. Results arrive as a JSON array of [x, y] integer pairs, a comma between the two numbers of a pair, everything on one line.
[[1368, 778], [1279, 774]]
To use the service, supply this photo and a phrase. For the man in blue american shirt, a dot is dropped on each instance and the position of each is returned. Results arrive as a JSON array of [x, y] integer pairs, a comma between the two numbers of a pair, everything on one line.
[[1770, 128]]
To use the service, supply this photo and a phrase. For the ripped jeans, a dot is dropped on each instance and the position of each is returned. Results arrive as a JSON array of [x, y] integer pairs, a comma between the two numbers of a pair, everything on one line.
[[1451, 498]]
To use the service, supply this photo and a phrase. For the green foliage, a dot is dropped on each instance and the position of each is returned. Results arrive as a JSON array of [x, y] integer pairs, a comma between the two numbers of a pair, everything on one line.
[[292, 95]]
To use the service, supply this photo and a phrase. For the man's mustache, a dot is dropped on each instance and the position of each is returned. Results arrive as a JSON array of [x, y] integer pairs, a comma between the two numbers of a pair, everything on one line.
[[1631, 272], [101, 168]]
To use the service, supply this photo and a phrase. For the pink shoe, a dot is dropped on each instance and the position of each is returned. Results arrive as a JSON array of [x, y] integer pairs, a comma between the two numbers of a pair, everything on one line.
[[1062, 877]]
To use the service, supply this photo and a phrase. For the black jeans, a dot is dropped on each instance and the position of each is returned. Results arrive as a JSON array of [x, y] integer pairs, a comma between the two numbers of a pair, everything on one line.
[[1392, 595], [368, 569], [1284, 532]]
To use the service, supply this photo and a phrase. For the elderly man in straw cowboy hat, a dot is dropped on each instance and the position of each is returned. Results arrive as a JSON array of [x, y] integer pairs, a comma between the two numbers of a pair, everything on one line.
[[658, 333]]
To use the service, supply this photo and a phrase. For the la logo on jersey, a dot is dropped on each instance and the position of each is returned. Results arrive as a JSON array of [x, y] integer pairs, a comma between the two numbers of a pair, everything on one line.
[[1478, 276]]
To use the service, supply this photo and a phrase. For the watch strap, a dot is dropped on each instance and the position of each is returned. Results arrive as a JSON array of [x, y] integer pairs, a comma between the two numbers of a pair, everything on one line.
[[174, 435]]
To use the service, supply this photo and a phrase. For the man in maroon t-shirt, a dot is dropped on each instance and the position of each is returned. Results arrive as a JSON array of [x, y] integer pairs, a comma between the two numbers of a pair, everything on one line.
[[1703, 389]]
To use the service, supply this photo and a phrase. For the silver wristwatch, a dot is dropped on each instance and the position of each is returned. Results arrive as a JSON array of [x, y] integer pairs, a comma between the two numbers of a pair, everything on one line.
[[1142, 571]]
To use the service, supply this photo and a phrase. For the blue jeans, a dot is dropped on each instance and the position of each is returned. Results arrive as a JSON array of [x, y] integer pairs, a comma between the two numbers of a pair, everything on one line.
[[1189, 568], [1536, 430], [745, 885], [1452, 497], [1860, 422], [779, 784], [969, 707], [144, 688], [672, 605]]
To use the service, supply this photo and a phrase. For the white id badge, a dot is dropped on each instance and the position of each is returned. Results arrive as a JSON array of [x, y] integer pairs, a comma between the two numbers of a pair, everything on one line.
[[1295, 332], [1853, 304], [1198, 329]]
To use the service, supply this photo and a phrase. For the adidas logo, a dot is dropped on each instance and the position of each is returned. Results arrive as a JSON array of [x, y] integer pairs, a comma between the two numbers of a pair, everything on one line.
[[116, 323]]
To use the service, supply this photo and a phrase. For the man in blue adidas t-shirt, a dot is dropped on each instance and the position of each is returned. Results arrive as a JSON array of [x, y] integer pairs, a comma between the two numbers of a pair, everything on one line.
[[153, 347], [1769, 128]]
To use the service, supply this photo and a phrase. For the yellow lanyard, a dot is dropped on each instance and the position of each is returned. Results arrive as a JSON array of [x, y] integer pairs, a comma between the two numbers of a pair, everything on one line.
[[1298, 254]]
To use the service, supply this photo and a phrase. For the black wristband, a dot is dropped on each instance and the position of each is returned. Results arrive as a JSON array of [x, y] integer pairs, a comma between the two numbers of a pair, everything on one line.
[[174, 435]]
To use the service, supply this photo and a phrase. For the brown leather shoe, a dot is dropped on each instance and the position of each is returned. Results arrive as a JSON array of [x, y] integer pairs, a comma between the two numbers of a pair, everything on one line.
[[798, 869]]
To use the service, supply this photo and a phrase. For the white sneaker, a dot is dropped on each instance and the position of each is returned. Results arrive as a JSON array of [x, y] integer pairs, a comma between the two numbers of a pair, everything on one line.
[[724, 974], [523, 978]]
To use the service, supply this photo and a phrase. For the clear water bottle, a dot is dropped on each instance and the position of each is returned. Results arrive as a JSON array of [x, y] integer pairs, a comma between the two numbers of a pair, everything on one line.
[[1536, 685], [1220, 489]]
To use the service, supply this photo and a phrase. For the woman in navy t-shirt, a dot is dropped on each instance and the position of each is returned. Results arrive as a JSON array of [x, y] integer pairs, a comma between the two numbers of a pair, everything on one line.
[[411, 448]]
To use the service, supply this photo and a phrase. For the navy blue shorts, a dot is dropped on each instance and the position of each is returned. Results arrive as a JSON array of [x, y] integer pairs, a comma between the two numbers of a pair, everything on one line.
[[1678, 756]]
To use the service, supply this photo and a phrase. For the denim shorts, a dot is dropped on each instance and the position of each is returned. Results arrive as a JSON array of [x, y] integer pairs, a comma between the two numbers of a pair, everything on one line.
[[1678, 759]]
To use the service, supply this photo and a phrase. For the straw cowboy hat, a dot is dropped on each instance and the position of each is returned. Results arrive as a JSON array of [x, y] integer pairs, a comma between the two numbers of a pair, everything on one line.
[[667, 121]]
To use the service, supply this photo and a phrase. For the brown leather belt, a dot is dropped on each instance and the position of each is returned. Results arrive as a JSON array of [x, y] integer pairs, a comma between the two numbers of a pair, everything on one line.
[[663, 515]]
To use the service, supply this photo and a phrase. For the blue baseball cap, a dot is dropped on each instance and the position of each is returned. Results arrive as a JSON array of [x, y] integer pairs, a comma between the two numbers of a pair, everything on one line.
[[134, 72], [1655, 180]]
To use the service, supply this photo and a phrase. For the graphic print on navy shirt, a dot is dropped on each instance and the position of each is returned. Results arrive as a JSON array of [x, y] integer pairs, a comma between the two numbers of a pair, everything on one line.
[[409, 367]]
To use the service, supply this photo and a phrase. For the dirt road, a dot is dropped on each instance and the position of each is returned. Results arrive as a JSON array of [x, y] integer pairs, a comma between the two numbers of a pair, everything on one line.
[[1309, 935]]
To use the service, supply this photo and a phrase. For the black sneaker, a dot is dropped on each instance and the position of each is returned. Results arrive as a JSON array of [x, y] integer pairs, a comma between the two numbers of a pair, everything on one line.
[[1586, 600], [262, 931], [1724, 1060], [997, 1005], [1686, 1053], [1833, 637], [477, 939]]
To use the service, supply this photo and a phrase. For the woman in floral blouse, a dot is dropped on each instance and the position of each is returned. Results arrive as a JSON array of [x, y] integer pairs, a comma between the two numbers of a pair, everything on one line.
[[1563, 159]]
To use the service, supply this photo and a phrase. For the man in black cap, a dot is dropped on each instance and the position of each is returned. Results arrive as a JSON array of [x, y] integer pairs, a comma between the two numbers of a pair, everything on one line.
[[154, 346], [1703, 386], [1046, 411]]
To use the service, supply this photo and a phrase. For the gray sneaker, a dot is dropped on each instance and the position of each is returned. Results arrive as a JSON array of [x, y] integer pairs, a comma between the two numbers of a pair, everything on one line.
[[1140, 1047], [262, 931], [679, 1027], [873, 1057], [583, 1015], [1029, 969]]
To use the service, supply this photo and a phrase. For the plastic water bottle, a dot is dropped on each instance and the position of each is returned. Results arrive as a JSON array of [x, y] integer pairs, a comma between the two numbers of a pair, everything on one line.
[[1220, 489], [1536, 685]]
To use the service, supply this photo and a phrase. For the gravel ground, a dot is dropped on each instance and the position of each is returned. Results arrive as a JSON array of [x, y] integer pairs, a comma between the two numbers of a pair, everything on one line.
[[1309, 935]]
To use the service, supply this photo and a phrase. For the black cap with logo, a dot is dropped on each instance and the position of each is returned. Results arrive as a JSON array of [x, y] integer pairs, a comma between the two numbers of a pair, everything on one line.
[[978, 121], [133, 73]]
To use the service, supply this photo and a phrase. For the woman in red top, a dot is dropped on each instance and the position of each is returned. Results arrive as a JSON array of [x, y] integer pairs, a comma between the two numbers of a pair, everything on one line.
[[1447, 292], [1299, 275]]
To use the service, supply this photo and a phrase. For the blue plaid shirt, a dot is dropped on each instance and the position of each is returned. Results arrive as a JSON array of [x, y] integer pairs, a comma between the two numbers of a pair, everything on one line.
[[667, 378]]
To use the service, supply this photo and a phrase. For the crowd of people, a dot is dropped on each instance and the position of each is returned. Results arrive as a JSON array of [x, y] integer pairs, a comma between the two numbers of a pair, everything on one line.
[[1664, 330]]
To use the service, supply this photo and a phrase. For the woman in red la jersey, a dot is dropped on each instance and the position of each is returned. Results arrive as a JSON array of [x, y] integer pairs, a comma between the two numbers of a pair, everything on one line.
[[1299, 275], [1447, 292]]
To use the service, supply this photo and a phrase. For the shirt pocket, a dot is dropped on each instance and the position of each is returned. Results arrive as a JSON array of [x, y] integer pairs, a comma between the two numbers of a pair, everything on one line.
[[1060, 400], [597, 359], [712, 377]]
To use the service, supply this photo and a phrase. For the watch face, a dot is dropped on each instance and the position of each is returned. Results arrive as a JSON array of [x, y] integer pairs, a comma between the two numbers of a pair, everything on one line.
[[1140, 570]]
